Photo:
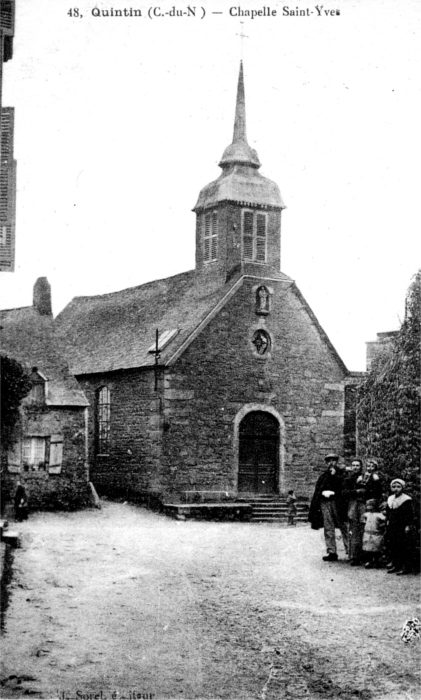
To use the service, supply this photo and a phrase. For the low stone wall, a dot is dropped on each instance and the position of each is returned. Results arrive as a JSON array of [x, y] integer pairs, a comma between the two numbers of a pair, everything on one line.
[[209, 511]]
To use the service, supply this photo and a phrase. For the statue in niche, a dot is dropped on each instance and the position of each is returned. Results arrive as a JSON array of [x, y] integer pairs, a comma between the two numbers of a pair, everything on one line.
[[262, 300], [261, 342]]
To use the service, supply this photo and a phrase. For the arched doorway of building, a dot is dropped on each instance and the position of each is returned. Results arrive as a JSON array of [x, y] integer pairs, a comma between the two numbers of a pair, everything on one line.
[[258, 453]]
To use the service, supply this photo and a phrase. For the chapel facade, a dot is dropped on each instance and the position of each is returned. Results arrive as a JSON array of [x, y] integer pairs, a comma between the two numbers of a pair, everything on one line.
[[239, 390]]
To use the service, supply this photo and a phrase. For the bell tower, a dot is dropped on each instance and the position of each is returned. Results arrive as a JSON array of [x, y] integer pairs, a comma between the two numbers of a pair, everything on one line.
[[238, 216]]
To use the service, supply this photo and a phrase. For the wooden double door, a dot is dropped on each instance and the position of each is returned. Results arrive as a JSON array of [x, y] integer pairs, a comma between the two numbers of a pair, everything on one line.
[[258, 453]]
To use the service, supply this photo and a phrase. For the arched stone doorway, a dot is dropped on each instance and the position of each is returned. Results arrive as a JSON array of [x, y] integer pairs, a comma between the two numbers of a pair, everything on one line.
[[258, 453]]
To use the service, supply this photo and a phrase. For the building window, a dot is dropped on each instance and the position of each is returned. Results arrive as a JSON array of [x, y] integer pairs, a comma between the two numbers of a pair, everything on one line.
[[103, 420], [261, 342], [254, 236], [211, 237], [34, 453], [163, 340], [37, 453]]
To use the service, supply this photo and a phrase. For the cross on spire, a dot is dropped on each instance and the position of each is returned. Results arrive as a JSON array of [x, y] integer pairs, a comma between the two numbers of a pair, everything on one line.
[[242, 37]]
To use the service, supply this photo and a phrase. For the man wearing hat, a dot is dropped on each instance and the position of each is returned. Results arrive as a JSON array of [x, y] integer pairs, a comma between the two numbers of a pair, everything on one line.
[[327, 507]]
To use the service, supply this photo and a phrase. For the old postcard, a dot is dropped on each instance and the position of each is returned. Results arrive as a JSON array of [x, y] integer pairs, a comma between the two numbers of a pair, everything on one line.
[[209, 234]]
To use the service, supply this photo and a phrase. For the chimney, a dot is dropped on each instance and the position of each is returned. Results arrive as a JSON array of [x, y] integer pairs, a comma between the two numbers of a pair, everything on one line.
[[380, 348], [42, 297]]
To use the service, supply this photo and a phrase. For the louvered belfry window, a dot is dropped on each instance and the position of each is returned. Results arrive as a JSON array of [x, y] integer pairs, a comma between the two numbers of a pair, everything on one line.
[[254, 236], [248, 235], [211, 237]]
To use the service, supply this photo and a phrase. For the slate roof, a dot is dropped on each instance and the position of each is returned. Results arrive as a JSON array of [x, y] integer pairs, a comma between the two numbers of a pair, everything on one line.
[[115, 331], [29, 338], [239, 181], [243, 185]]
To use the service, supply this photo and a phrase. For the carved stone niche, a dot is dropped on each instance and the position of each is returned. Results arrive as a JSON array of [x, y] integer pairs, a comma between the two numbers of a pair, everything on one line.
[[263, 297]]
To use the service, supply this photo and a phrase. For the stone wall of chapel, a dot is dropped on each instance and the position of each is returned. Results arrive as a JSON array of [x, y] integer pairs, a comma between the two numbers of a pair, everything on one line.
[[181, 437], [133, 461], [221, 372]]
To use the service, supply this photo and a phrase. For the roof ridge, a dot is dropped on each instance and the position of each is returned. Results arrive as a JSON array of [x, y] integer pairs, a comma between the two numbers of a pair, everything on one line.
[[129, 289], [16, 308]]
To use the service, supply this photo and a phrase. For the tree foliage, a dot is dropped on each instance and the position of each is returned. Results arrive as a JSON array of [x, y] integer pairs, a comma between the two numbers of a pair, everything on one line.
[[15, 385], [389, 402]]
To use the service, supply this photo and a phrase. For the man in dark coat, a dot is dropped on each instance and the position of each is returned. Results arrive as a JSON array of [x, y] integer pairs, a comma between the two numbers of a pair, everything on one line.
[[354, 498], [328, 509]]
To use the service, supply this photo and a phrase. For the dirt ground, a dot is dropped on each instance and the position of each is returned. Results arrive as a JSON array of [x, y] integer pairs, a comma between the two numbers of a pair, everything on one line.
[[125, 603]]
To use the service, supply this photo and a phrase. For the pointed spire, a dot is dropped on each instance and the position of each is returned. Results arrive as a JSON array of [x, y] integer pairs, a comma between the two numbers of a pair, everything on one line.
[[239, 152], [240, 133]]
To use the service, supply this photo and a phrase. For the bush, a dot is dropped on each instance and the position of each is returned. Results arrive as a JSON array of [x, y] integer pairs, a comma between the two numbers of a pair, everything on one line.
[[15, 385], [389, 406]]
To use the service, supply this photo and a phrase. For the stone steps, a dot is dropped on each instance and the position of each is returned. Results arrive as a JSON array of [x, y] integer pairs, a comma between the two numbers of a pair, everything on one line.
[[272, 509], [253, 509]]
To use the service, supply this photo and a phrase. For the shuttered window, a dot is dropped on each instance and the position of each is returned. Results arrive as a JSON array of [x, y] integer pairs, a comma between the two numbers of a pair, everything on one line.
[[37, 453], [248, 235], [261, 238], [7, 15], [14, 458], [210, 250], [254, 236], [56, 454], [103, 420]]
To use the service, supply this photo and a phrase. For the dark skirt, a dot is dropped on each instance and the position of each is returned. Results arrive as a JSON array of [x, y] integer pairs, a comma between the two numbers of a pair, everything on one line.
[[21, 512]]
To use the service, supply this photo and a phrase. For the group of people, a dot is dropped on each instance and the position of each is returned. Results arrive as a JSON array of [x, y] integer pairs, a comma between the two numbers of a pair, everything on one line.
[[375, 533]]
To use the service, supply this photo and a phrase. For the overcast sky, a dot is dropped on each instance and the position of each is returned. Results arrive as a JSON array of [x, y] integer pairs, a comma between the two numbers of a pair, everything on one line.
[[120, 121]]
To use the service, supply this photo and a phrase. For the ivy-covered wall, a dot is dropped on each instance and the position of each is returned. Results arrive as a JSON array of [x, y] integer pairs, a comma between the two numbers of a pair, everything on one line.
[[389, 403]]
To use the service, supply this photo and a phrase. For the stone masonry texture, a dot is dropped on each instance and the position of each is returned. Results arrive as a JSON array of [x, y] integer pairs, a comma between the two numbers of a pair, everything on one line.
[[184, 436]]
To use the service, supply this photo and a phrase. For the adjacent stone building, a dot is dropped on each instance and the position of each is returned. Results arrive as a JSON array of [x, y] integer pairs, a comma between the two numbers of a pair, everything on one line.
[[49, 454], [217, 379]]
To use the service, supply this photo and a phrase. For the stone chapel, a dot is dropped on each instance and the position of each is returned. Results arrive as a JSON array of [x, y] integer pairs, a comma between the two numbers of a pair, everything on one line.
[[239, 390]]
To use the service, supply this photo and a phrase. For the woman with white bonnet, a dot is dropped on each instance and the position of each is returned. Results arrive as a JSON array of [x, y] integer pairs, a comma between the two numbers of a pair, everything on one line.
[[399, 517]]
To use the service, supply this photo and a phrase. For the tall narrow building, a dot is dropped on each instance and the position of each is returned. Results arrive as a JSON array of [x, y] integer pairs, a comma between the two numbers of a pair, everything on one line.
[[7, 162], [7, 191], [242, 391]]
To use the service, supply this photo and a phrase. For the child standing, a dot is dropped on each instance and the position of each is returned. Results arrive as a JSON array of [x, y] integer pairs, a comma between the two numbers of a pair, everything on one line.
[[399, 518], [292, 507], [374, 527]]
